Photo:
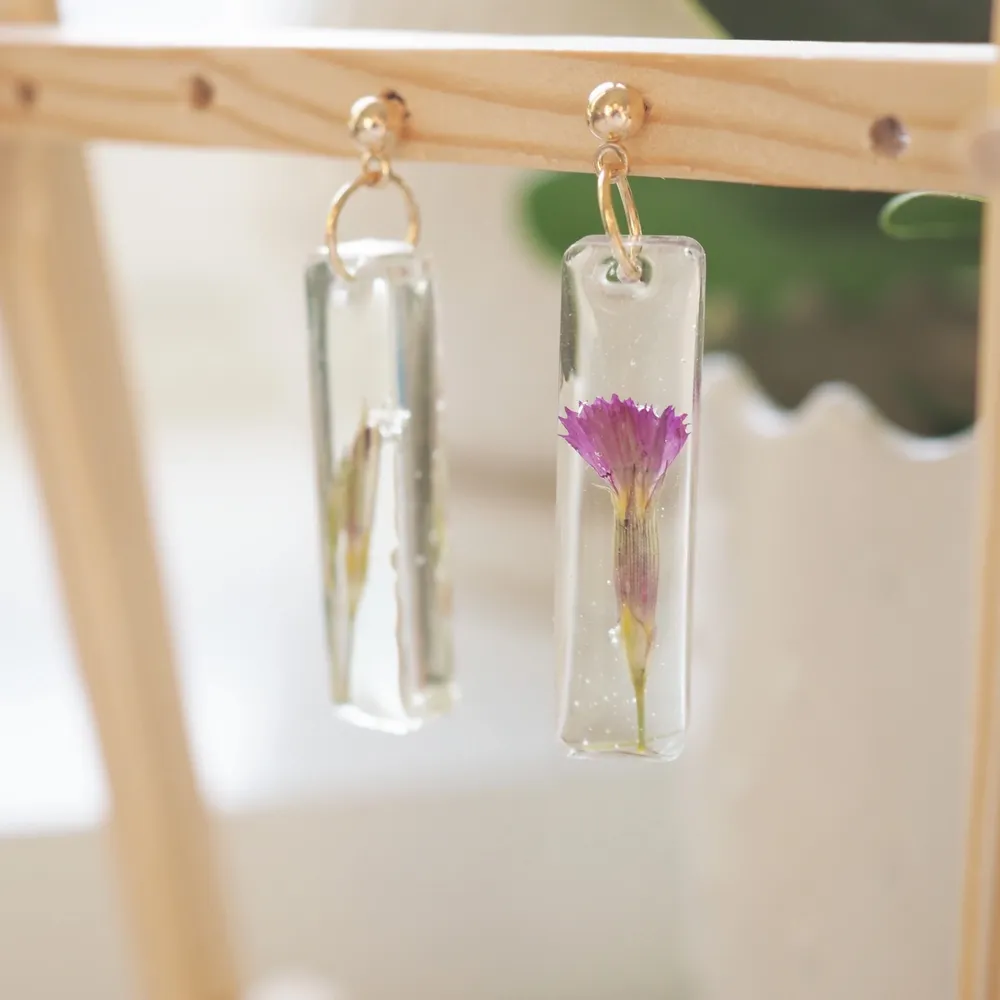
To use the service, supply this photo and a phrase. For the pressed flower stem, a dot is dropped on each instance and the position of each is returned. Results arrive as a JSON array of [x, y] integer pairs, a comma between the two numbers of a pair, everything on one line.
[[637, 577], [639, 683]]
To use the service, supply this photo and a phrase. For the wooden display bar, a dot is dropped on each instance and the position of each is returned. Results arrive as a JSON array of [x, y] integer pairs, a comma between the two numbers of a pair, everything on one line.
[[789, 114]]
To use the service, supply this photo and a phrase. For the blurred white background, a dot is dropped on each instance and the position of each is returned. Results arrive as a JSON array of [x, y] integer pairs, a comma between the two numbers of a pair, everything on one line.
[[807, 843]]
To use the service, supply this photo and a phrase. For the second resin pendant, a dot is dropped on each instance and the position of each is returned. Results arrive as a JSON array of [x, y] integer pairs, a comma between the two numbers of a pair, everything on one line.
[[376, 405], [630, 373], [630, 356], [380, 467]]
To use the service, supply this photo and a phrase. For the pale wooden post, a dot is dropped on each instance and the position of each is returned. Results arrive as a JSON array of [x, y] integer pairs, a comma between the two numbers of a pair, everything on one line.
[[979, 956], [63, 345]]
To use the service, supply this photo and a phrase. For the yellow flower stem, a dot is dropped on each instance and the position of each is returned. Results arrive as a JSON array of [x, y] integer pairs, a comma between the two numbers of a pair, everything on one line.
[[637, 570], [636, 640], [639, 684]]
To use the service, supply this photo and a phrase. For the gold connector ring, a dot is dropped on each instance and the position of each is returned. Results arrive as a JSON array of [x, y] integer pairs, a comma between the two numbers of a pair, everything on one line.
[[628, 257], [368, 178]]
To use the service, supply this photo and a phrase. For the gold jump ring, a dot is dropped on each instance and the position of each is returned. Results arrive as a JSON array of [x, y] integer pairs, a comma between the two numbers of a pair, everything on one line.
[[369, 179], [375, 167], [628, 257]]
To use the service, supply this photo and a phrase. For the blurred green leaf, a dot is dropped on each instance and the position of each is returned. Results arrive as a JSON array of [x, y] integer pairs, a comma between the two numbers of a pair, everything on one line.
[[922, 215], [804, 284], [768, 247], [855, 20]]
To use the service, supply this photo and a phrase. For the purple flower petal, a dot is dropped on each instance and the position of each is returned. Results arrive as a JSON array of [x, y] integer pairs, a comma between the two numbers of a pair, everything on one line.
[[628, 446], [579, 435]]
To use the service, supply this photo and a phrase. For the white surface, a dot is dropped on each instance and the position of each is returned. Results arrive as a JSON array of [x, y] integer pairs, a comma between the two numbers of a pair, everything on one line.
[[237, 524], [807, 843]]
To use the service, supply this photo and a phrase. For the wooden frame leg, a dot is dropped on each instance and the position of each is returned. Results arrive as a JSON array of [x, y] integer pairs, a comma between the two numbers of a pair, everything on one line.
[[979, 956], [67, 364]]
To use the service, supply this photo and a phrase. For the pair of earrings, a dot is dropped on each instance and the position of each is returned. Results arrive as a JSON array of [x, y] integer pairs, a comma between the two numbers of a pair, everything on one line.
[[630, 356]]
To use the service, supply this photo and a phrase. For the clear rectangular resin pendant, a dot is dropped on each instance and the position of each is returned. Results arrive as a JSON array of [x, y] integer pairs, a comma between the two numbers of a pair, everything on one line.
[[376, 408], [630, 360]]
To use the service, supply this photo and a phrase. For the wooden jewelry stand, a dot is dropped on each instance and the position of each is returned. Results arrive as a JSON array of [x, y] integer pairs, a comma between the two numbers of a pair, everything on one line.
[[798, 114]]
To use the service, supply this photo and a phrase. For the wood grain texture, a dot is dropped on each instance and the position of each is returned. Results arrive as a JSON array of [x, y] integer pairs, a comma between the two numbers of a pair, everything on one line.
[[63, 345], [979, 952], [29, 11], [979, 957], [789, 114]]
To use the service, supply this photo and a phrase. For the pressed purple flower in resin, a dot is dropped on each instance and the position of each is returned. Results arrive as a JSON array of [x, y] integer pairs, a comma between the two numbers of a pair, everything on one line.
[[631, 448]]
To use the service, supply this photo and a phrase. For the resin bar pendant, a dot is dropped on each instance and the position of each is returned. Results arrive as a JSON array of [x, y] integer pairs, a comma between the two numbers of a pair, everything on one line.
[[376, 405], [630, 355]]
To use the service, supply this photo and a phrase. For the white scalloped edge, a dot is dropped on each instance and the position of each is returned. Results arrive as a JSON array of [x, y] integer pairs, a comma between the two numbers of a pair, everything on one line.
[[728, 381]]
